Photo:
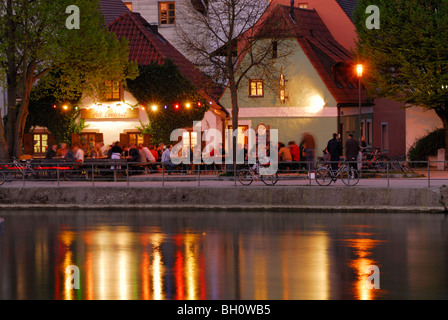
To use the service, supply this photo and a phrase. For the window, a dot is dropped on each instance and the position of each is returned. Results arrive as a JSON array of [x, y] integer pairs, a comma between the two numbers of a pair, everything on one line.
[[135, 138], [274, 49], [112, 91], [384, 137], [282, 88], [256, 88], [303, 5], [129, 5], [167, 13], [189, 139], [87, 141], [40, 142], [366, 125]]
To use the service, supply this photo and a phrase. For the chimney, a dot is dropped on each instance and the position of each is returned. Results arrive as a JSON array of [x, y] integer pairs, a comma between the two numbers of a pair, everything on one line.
[[292, 10]]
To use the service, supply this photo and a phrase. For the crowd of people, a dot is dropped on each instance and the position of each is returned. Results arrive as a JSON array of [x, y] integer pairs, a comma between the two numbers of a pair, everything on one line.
[[134, 153], [292, 157]]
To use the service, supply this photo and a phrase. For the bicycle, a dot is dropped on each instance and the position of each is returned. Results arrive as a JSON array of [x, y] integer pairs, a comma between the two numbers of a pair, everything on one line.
[[375, 160], [349, 176], [9, 172], [248, 175], [400, 164]]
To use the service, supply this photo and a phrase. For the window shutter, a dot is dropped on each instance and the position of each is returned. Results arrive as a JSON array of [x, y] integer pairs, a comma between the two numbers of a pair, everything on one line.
[[124, 139], [99, 137], [28, 144], [75, 139], [147, 139], [51, 140]]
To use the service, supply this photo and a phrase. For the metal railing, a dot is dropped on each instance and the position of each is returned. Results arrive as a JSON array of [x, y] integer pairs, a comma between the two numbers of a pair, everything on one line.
[[97, 172]]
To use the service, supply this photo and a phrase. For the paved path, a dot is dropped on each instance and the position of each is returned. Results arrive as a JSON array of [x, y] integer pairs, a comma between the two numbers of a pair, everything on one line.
[[437, 179]]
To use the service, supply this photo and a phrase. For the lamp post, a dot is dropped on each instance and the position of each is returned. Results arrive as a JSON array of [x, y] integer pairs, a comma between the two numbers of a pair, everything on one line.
[[359, 70]]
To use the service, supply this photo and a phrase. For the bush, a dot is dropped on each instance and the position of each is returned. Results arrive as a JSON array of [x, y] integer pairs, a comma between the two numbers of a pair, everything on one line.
[[427, 145]]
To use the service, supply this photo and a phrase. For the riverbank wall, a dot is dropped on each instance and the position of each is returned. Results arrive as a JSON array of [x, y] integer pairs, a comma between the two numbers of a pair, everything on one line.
[[298, 199]]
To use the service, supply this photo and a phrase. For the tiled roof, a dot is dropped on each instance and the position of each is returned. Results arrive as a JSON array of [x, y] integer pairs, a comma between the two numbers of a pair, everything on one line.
[[112, 9], [146, 45], [334, 64], [348, 6]]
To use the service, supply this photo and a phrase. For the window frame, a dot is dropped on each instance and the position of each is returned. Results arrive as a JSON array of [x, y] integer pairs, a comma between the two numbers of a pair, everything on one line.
[[111, 92], [168, 3], [385, 137], [43, 149], [250, 88]]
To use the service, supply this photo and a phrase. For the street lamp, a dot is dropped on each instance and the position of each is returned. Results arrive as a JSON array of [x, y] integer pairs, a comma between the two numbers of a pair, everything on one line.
[[359, 70]]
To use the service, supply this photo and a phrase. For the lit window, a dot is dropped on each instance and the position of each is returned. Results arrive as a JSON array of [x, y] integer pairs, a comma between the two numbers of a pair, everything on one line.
[[112, 90], [40, 143], [167, 12], [189, 139], [256, 88], [303, 5], [282, 88]]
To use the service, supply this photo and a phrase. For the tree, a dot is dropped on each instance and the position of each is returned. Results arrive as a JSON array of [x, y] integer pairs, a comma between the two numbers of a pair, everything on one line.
[[34, 39], [407, 58], [218, 34], [163, 85], [60, 122]]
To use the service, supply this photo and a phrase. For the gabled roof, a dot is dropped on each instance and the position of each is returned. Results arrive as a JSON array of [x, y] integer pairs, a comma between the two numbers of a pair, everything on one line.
[[112, 9], [147, 45], [333, 63], [348, 6]]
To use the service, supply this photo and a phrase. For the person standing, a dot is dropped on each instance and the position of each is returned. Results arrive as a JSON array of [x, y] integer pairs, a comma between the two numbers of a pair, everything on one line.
[[115, 154], [351, 150], [334, 149], [166, 159], [309, 145]]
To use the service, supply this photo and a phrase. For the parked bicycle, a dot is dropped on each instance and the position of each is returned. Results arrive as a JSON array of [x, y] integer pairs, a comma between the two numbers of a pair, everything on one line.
[[375, 160], [10, 172], [401, 165], [248, 175], [325, 175]]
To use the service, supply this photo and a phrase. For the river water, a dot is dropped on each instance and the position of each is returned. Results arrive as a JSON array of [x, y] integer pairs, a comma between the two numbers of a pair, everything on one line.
[[222, 255]]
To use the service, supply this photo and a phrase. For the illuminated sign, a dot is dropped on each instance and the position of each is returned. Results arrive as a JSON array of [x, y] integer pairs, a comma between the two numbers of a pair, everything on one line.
[[110, 113]]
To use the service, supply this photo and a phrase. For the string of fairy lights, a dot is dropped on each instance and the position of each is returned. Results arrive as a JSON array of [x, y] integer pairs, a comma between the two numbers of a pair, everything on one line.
[[124, 106]]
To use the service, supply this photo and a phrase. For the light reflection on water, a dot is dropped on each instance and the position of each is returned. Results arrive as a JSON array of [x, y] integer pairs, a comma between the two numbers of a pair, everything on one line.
[[187, 255]]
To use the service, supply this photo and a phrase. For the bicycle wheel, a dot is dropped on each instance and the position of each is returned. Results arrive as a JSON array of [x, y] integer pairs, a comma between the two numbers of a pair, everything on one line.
[[245, 177], [323, 176], [406, 168], [350, 177], [270, 180], [2, 178]]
